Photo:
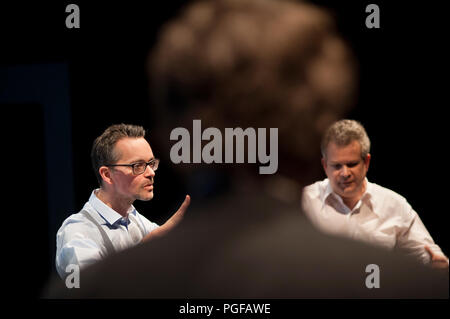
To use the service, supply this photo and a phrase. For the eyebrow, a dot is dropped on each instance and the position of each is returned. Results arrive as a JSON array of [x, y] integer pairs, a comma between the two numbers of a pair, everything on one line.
[[140, 160], [341, 163]]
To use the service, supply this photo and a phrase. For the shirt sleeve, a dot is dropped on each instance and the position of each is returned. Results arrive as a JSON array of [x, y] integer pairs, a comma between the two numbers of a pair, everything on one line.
[[148, 225], [75, 245], [413, 237], [309, 204]]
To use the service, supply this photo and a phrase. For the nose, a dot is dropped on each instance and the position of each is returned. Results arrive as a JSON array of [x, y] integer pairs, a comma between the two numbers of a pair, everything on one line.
[[345, 171], [149, 171]]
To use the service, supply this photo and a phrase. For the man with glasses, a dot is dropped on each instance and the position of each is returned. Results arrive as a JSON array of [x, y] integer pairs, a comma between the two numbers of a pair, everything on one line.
[[125, 167]]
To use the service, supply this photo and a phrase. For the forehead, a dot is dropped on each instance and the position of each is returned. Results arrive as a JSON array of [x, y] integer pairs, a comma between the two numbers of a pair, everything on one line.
[[338, 153], [133, 149]]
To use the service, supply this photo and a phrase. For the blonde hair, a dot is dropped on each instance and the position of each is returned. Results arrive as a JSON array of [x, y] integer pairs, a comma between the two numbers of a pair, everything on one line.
[[344, 132]]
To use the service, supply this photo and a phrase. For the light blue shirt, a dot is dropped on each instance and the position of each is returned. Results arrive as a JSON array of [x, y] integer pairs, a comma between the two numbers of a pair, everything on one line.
[[79, 242]]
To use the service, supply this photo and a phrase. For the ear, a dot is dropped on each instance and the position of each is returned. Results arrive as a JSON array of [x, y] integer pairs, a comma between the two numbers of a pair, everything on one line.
[[324, 164], [105, 173], [367, 161]]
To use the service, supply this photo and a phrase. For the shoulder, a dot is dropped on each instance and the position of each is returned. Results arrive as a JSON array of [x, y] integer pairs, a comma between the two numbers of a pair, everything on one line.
[[390, 203], [315, 190], [76, 225], [149, 225], [383, 193]]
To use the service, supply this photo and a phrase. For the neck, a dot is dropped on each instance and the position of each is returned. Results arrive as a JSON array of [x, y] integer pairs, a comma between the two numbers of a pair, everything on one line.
[[280, 187], [113, 201], [351, 202]]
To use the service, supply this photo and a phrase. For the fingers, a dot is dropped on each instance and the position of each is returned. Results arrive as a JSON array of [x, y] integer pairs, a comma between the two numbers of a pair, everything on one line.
[[176, 218], [434, 255], [440, 264], [185, 205], [180, 212], [437, 260], [428, 249]]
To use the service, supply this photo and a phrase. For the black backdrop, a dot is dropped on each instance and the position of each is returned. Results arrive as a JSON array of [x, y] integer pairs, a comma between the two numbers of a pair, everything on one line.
[[401, 103]]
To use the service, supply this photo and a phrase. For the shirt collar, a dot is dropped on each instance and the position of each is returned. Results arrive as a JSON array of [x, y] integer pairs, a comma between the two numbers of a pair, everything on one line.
[[106, 212], [366, 197], [369, 189], [328, 190]]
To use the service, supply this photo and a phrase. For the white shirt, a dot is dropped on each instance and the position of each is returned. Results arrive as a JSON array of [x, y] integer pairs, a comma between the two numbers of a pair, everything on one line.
[[381, 217], [79, 242]]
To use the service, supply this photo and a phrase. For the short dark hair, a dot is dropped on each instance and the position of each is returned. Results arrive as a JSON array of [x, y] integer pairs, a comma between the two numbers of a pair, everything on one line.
[[103, 151]]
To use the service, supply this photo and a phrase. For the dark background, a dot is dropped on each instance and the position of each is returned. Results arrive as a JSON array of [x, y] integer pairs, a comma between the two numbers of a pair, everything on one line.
[[97, 76]]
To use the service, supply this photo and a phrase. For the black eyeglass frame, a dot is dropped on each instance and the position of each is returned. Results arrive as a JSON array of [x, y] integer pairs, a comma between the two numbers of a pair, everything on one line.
[[153, 162]]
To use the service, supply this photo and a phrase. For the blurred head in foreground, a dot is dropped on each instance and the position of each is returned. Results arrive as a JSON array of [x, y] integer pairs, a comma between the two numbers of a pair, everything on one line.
[[255, 63]]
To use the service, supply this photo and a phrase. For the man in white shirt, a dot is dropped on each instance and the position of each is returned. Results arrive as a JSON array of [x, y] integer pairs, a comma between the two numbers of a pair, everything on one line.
[[125, 167], [347, 204]]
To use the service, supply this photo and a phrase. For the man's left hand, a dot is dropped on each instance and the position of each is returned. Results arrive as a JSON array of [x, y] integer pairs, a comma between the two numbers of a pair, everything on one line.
[[171, 222]]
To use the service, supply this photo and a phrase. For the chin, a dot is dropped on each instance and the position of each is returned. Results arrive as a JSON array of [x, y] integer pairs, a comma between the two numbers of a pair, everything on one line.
[[348, 191], [146, 197], [345, 191]]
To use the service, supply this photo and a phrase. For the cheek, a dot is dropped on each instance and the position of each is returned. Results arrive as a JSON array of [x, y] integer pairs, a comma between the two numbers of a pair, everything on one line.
[[334, 174], [127, 184], [361, 172], [124, 187], [329, 172], [333, 177], [137, 183]]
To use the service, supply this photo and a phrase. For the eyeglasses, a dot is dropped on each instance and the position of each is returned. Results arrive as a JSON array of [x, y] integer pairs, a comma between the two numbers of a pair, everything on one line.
[[140, 167]]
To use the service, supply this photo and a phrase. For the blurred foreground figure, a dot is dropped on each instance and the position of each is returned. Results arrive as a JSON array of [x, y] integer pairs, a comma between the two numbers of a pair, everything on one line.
[[258, 64]]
